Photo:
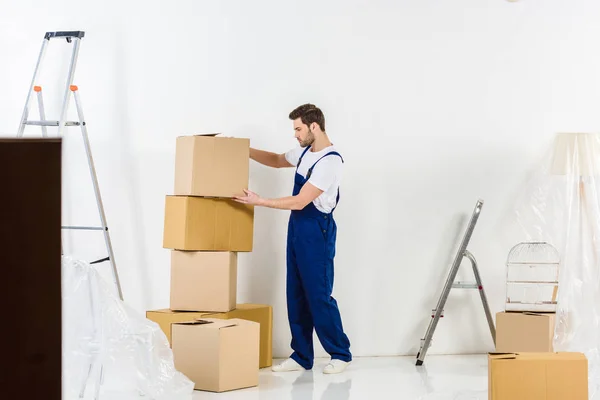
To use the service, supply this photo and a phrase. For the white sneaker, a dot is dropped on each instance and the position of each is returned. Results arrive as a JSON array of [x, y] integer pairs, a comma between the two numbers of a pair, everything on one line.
[[335, 366], [288, 365]]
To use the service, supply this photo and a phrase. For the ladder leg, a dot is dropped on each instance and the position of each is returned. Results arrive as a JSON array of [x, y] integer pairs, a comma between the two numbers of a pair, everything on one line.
[[33, 80], [426, 342], [484, 301], [67, 95], [90, 159], [41, 110]]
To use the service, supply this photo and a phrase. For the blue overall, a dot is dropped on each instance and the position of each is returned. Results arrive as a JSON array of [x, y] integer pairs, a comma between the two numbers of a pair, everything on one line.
[[310, 253]]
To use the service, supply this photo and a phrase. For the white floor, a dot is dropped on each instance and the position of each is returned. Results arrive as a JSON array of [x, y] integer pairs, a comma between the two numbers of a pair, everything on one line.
[[440, 378]]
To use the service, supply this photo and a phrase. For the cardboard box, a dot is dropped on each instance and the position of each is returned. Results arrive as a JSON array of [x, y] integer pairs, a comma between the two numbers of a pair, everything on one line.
[[211, 166], [205, 224], [537, 376], [524, 332], [203, 281], [217, 355], [263, 314]]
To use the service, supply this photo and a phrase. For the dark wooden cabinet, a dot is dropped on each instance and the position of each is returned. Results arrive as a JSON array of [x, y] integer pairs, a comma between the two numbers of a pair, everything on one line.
[[30, 268]]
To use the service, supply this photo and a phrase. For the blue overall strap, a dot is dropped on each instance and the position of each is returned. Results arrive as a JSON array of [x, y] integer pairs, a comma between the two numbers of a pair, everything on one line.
[[335, 153], [337, 201], [309, 173], [300, 159]]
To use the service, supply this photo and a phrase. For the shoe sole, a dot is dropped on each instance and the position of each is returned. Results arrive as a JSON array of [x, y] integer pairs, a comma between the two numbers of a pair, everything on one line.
[[333, 372], [287, 370], [328, 372]]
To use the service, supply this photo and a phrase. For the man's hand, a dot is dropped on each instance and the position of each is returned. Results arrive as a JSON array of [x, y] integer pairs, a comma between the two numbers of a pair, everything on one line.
[[249, 198]]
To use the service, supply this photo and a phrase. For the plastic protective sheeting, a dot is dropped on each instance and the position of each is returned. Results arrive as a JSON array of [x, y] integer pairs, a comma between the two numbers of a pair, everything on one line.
[[109, 350], [561, 205]]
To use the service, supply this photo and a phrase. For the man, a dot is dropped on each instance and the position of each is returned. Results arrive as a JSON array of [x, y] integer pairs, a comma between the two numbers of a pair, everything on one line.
[[311, 241]]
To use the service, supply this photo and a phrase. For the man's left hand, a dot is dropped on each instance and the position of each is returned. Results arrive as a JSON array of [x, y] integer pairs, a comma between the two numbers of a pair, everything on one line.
[[250, 198]]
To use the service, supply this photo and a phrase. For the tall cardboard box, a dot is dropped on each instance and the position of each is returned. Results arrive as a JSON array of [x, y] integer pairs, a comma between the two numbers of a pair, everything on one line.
[[537, 376], [524, 332], [260, 313], [30, 238], [207, 224], [217, 355], [211, 166], [203, 281]]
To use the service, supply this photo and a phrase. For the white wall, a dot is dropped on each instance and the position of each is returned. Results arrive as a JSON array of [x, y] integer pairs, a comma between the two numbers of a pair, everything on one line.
[[433, 104]]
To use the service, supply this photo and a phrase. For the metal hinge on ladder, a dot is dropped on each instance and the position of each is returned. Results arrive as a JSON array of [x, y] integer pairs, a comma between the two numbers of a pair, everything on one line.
[[72, 37], [438, 312]]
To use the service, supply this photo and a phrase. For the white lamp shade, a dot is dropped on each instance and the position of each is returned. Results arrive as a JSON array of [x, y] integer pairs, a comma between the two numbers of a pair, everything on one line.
[[576, 154]]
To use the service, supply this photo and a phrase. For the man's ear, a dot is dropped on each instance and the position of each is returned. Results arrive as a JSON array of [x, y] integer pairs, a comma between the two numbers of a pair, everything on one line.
[[313, 126]]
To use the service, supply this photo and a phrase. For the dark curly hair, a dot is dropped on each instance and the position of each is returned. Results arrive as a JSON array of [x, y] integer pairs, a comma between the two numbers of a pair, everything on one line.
[[309, 113]]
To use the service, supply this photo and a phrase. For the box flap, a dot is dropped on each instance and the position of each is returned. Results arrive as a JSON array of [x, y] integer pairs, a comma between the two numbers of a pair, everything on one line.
[[163, 311], [534, 314], [218, 323], [537, 356], [213, 323], [193, 322], [503, 356], [199, 134]]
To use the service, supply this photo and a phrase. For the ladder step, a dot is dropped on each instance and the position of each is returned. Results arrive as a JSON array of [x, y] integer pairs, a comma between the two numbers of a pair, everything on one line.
[[51, 123], [67, 34], [464, 285], [86, 228]]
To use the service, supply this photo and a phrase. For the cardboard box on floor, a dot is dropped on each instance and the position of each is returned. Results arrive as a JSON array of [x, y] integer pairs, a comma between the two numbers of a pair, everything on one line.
[[203, 281], [524, 332], [217, 355], [206, 224], [263, 314], [211, 166], [537, 376]]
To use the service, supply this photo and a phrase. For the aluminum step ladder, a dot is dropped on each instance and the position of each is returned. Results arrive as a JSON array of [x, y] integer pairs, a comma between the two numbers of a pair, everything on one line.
[[74, 38], [438, 312]]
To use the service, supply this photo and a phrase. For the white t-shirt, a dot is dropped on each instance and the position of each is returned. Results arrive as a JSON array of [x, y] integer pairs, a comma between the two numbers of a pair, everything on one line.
[[326, 175]]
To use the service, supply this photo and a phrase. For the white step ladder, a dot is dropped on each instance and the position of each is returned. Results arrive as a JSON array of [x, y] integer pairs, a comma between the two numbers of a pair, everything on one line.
[[74, 38]]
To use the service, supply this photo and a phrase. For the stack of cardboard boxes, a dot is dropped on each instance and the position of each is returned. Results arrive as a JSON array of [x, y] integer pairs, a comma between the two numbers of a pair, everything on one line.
[[525, 366], [217, 343]]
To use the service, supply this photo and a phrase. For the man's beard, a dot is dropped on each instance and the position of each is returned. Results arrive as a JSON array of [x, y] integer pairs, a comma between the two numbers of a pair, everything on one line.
[[310, 139]]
